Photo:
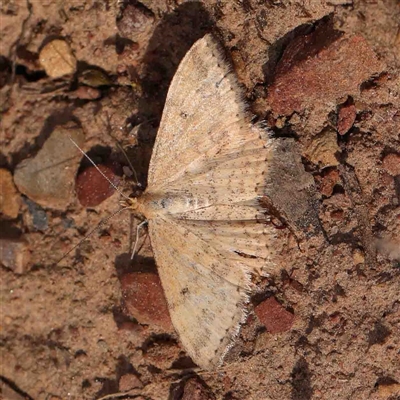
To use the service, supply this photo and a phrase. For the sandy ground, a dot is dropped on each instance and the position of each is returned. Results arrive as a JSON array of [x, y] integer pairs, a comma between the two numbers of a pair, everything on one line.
[[88, 323]]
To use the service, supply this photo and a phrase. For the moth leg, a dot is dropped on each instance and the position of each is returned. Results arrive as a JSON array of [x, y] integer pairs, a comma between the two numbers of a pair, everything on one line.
[[137, 237]]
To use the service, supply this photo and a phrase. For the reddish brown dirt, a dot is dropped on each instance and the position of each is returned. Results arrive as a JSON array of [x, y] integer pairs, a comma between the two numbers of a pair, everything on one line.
[[323, 73]]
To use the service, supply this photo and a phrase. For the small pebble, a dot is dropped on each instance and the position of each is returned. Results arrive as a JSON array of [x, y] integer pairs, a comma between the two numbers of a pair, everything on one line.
[[48, 178], [134, 20], [87, 93], [144, 299], [323, 149], [38, 216], [328, 182], [128, 382], [57, 59], [10, 200], [273, 316], [14, 255], [162, 353], [194, 390], [103, 345], [391, 163], [280, 122], [347, 116], [388, 391], [358, 257], [389, 247], [92, 188]]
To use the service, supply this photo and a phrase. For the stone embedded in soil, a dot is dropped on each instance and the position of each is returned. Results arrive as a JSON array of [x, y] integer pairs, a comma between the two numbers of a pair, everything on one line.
[[328, 181], [92, 188], [391, 163], [134, 20], [36, 216], [312, 73], [273, 316], [322, 150], [14, 255], [144, 299], [358, 257], [389, 247], [162, 352], [129, 382], [387, 391], [48, 178], [378, 334], [10, 200], [57, 59], [194, 390], [347, 116], [87, 93]]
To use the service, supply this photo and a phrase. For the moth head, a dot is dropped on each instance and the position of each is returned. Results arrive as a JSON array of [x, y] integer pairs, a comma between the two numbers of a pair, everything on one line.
[[131, 203]]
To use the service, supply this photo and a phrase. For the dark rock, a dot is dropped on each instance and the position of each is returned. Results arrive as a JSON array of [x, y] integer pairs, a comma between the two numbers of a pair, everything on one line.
[[194, 390], [347, 116], [328, 181], [323, 149], [378, 334], [38, 216], [273, 316], [334, 70], [91, 186], [144, 299]]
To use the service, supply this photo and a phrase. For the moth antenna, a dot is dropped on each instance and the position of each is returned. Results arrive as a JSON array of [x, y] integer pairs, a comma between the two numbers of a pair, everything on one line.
[[97, 227], [137, 238], [99, 170], [129, 162]]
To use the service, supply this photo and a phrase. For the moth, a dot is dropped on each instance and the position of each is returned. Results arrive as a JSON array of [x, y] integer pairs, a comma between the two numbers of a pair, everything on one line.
[[206, 223]]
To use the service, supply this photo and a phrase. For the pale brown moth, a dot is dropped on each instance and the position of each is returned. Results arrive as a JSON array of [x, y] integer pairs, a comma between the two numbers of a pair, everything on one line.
[[202, 203]]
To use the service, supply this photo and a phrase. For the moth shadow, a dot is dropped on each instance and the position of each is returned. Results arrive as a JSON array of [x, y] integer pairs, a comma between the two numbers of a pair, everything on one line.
[[171, 40], [125, 265], [110, 386]]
